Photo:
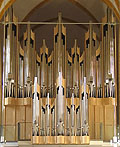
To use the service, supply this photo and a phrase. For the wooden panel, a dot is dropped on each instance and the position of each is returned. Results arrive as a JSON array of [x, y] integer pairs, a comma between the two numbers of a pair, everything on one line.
[[47, 140], [20, 114], [97, 130], [85, 139], [42, 139], [9, 101], [101, 118], [92, 121], [20, 117], [99, 122], [100, 101], [105, 101], [27, 101], [53, 139], [10, 115], [35, 140], [10, 133], [28, 122], [108, 133], [112, 101], [73, 141], [67, 139], [19, 101], [60, 140], [92, 101], [98, 114], [10, 123], [78, 140], [109, 115]]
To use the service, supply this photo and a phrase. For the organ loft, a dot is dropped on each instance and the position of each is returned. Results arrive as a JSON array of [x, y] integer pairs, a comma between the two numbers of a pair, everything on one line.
[[59, 95]]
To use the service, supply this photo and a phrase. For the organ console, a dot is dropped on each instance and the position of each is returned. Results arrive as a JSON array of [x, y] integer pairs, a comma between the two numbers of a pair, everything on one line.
[[66, 95]]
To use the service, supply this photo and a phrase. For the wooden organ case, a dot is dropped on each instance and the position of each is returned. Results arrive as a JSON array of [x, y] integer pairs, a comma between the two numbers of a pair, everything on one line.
[[60, 97]]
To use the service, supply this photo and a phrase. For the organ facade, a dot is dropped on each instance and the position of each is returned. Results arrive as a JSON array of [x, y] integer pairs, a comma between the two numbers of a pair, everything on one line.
[[60, 96]]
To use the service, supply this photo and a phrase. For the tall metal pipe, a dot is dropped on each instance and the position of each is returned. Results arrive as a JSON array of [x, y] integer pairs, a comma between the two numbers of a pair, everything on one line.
[[35, 113], [60, 77]]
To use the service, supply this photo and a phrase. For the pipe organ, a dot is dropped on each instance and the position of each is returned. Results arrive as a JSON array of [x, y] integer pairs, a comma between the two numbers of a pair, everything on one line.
[[65, 95]]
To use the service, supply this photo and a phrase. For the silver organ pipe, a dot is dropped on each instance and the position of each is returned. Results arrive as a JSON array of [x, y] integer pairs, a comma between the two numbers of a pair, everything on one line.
[[75, 53], [109, 54], [50, 75], [44, 88], [48, 116], [90, 41], [68, 76], [35, 109], [68, 94], [53, 120], [20, 72], [85, 109], [44, 65], [75, 69], [29, 54], [42, 119], [60, 61], [78, 121], [72, 116], [51, 115], [99, 74], [10, 54], [68, 118], [38, 69]]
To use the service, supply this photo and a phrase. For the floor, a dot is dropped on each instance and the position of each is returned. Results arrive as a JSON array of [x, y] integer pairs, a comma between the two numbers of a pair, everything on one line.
[[28, 144]]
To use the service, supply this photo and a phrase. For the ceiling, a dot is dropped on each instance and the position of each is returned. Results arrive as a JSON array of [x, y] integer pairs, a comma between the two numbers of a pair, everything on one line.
[[72, 11]]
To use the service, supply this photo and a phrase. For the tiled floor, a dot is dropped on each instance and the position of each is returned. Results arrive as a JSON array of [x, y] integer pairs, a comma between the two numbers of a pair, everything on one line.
[[28, 144], [10, 144]]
